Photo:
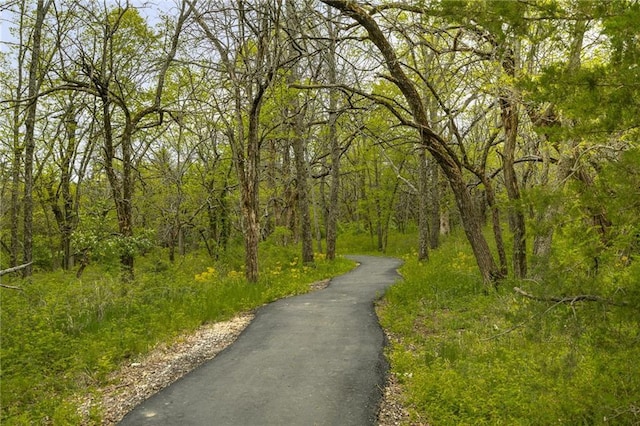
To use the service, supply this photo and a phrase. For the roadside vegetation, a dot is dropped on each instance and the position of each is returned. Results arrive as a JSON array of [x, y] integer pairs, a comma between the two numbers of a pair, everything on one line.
[[464, 356], [63, 335]]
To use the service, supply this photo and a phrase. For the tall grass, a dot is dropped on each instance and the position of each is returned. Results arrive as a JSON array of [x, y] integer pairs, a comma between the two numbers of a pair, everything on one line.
[[464, 357], [63, 335]]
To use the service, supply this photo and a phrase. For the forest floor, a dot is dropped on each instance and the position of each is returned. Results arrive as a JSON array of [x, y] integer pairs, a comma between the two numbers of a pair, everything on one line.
[[164, 364]]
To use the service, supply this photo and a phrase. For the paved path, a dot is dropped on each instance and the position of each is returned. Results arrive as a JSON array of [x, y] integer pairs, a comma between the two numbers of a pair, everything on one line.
[[314, 359]]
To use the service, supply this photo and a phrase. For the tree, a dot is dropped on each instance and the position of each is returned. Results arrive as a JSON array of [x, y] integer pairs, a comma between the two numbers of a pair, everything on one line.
[[108, 73], [297, 129], [248, 43], [483, 38], [33, 88], [434, 142], [71, 156], [332, 212]]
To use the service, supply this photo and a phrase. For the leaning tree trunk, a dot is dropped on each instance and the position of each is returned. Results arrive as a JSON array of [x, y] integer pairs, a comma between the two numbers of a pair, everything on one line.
[[436, 145], [472, 224]]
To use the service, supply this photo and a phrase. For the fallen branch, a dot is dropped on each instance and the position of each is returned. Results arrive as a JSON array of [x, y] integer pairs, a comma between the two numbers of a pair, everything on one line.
[[14, 269], [566, 299], [11, 287]]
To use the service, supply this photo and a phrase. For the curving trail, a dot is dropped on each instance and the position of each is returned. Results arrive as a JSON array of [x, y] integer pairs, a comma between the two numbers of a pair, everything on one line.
[[314, 359]]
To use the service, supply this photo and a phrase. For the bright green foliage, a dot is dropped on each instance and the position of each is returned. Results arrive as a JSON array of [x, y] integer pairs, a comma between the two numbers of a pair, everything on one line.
[[64, 335], [467, 358]]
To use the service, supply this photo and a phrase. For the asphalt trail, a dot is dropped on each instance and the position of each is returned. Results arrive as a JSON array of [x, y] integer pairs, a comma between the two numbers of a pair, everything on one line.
[[314, 359]]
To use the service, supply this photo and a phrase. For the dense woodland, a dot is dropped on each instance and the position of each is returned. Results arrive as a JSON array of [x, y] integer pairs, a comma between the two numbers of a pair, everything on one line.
[[168, 128], [127, 126]]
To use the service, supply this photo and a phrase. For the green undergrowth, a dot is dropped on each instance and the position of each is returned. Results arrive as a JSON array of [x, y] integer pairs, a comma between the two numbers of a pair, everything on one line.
[[465, 356], [63, 336], [362, 242]]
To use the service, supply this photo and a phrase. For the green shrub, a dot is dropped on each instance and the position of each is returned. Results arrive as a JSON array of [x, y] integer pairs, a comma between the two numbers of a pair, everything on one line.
[[467, 358]]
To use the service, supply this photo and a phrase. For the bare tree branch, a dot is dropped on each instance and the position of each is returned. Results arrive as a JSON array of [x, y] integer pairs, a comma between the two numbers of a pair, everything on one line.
[[567, 299], [388, 103], [14, 269], [10, 287]]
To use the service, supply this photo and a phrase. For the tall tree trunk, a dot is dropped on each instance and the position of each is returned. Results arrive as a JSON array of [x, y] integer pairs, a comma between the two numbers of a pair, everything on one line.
[[472, 224], [316, 215], [334, 189], [301, 166], [433, 189], [121, 187], [377, 204], [423, 209], [125, 217], [289, 193], [15, 190], [248, 170], [509, 114], [389, 209], [496, 223], [332, 213], [516, 215], [16, 164], [29, 137], [251, 68], [302, 176], [68, 213]]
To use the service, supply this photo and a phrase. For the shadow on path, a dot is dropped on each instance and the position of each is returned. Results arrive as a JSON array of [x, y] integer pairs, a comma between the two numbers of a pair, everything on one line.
[[313, 359]]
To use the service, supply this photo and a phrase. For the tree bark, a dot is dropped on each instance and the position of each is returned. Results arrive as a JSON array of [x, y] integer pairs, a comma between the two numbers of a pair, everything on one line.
[[424, 227], [433, 189], [496, 222], [250, 195]]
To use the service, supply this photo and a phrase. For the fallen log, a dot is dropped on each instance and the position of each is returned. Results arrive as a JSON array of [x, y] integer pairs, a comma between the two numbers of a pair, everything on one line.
[[14, 269], [567, 299]]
